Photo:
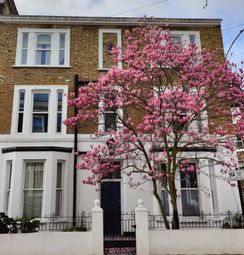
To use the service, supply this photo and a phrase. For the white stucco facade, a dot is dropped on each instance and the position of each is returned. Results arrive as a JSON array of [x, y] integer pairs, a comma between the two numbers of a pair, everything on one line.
[[215, 194]]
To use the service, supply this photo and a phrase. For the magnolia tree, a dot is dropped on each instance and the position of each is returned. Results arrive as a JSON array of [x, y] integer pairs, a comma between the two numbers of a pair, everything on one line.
[[171, 101]]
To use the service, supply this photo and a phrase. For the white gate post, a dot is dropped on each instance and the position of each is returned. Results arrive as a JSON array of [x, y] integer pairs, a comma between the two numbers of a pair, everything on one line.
[[142, 235], [97, 229]]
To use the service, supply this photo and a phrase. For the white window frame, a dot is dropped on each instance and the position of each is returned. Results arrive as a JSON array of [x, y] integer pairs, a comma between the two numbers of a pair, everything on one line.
[[101, 117], [31, 50], [8, 183], [60, 189], [39, 115], [100, 45], [28, 108], [190, 189], [185, 36]]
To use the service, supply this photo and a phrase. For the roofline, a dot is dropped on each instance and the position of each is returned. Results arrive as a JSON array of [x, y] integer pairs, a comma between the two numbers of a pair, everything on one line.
[[101, 21]]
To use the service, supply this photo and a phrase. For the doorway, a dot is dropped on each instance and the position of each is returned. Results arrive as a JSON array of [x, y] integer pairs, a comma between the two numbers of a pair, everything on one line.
[[111, 205]]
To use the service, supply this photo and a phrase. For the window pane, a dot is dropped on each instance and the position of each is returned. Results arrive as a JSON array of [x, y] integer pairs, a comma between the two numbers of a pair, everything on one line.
[[43, 57], [58, 202], [192, 39], [32, 203], [32, 192], [9, 176], [21, 101], [21, 110], [190, 202], [38, 177], [40, 102], [60, 100], [43, 41], [177, 42], [40, 123], [188, 176], [61, 57], [20, 122], [25, 41], [33, 175], [165, 199], [24, 57], [110, 121], [188, 180], [58, 205], [59, 175], [59, 122], [62, 41]]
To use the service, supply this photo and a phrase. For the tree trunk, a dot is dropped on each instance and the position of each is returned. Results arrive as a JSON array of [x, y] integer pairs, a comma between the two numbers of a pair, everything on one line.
[[175, 222], [173, 199], [161, 206]]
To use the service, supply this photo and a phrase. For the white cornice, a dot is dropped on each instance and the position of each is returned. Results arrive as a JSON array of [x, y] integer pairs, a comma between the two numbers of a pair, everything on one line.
[[44, 138], [103, 21]]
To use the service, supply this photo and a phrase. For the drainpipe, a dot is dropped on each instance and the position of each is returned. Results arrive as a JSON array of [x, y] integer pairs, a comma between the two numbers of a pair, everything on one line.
[[76, 85], [241, 197]]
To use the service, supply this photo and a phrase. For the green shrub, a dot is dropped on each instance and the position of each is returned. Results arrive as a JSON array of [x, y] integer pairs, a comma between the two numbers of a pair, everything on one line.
[[7, 225], [26, 225]]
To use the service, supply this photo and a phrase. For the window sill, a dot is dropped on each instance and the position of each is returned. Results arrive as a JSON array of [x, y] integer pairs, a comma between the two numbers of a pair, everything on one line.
[[39, 66], [103, 69]]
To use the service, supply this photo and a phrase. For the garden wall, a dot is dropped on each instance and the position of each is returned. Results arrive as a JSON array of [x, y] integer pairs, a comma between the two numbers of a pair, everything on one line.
[[46, 243], [204, 241]]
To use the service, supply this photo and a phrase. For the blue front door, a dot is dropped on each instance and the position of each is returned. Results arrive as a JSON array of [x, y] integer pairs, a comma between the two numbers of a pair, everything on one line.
[[111, 205]]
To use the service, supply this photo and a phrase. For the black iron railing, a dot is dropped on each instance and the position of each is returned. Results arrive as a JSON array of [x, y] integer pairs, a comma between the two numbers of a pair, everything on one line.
[[128, 222], [81, 222], [225, 220]]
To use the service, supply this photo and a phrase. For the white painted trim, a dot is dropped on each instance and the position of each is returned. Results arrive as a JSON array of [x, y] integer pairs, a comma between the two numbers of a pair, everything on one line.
[[32, 33], [52, 109], [100, 45], [49, 159], [185, 37]]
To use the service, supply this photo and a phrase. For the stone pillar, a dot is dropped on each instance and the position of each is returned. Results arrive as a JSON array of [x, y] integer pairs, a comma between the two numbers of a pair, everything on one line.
[[97, 229], [142, 235]]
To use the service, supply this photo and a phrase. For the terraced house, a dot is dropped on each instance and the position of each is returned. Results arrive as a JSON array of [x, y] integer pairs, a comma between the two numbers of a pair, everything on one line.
[[40, 56]]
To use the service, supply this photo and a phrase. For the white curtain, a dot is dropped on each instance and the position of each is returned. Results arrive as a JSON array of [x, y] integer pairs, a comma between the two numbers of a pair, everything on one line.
[[33, 189]]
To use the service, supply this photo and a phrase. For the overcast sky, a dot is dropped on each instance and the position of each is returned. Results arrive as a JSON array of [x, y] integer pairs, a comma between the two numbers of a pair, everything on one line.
[[231, 11]]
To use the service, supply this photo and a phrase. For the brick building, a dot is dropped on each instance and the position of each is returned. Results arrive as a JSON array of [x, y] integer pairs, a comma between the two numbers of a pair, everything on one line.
[[40, 56]]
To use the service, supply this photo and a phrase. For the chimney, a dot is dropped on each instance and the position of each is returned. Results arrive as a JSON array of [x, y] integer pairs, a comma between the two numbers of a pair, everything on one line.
[[7, 7]]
